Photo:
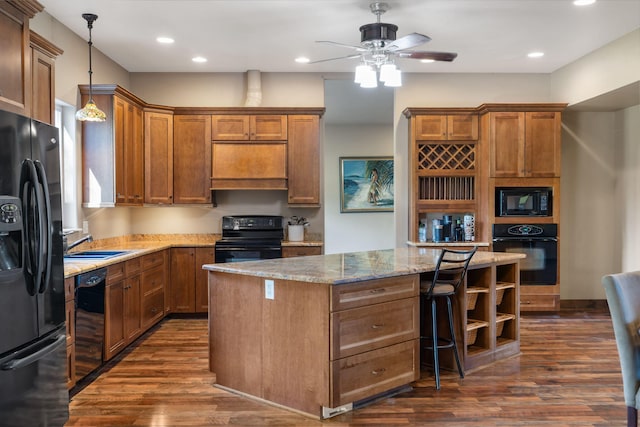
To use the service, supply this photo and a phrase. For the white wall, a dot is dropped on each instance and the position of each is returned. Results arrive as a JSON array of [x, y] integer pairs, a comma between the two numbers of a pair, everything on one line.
[[615, 65], [590, 223], [354, 231], [627, 135]]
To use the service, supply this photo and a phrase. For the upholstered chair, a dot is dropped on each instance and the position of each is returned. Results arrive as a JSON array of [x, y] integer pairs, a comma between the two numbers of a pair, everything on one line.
[[623, 297]]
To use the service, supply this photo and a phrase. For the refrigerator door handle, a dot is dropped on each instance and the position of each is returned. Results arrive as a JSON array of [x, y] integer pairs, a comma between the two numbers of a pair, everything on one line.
[[28, 190], [35, 356], [44, 211]]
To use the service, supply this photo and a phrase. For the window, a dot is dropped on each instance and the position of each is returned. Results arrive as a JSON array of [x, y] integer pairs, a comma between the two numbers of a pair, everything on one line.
[[65, 121]]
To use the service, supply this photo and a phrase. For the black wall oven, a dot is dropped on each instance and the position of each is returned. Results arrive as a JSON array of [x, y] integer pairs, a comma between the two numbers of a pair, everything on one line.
[[539, 242], [250, 238]]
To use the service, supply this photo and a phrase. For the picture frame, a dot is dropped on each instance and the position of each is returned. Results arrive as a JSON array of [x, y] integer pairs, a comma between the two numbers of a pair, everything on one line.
[[366, 184]]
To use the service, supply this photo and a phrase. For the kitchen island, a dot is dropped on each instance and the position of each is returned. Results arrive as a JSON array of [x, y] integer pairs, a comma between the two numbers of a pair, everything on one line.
[[318, 334]]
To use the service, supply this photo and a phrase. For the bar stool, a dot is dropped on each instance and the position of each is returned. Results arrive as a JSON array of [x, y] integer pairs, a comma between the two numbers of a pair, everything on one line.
[[449, 274]]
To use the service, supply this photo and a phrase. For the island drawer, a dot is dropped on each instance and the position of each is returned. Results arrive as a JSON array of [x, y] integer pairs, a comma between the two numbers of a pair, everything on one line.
[[364, 375], [374, 292], [366, 328]]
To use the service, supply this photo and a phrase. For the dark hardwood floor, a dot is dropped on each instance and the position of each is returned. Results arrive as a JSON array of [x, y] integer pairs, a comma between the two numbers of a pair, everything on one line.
[[568, 374]]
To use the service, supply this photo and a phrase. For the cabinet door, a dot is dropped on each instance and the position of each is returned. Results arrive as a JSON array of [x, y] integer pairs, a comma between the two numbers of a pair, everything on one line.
[[134, 158], [268, 128], [462, 127], [191, 159], [507, 144], [230, 128], [203, 256], [15, 66], [114, 334], [183, 280], [433, 128], [121, 125], [158, 158], [542, 144], [42, 87], [132, 323], [304, 160]]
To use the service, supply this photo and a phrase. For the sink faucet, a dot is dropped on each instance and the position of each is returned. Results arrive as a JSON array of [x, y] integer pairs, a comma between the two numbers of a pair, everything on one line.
[[87, 238]]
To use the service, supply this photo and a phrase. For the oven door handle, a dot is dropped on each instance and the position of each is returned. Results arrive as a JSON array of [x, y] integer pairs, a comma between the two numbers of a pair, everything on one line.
[[248, 248], [525, 239]]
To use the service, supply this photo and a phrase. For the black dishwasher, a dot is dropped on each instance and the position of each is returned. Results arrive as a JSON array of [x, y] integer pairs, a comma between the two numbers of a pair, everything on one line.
[[89, 302]]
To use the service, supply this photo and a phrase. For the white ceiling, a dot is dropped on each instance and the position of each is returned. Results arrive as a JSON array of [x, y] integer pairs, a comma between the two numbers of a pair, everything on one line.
[[238, 35]]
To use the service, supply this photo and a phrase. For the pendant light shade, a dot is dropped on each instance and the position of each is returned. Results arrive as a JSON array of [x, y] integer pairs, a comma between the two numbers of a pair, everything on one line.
[[90, 112]]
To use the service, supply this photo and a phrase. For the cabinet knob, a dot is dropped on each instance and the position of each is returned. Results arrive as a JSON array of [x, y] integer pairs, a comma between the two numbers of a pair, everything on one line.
[[377, 325], [378, 371]]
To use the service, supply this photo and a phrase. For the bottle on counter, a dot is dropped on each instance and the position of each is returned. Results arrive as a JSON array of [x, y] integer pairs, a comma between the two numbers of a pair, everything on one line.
[[459, 231], [437, 230], [422, 232]]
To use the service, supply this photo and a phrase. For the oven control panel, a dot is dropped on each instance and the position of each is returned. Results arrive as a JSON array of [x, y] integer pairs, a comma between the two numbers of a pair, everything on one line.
[[253, 222]]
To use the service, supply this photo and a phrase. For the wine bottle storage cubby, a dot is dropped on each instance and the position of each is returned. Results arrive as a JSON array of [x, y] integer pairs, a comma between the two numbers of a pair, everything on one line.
[[446, 157], [447, 188]]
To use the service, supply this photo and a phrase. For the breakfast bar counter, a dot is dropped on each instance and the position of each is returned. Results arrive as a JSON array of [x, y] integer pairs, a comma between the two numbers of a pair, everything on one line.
[[320, 334]]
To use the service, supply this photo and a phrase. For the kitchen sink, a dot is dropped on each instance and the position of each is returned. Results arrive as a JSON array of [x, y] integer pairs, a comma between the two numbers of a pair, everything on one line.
[[95, 254]]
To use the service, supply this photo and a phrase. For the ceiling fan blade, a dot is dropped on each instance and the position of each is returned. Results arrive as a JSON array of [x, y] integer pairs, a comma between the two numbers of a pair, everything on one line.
[[359, 48], [356, 55], [436, 56], [408, 41]]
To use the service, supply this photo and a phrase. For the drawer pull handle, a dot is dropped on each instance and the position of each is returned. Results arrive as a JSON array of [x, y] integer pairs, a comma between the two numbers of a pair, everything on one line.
[[377, 325], [378, 371], [154, 310], [377, 291]]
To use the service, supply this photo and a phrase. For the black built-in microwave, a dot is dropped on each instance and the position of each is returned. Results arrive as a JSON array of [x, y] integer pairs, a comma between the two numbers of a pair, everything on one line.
[[524, 201]]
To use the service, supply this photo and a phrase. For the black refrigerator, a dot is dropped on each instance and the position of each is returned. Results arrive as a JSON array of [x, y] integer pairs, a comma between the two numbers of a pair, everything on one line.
[[33, 379]]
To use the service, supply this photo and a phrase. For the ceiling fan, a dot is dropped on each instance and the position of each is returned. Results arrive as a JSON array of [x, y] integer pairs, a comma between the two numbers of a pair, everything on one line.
[[378, 43]]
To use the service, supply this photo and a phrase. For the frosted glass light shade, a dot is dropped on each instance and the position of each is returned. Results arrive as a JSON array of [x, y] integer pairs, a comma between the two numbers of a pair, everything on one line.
[[91, 113], [386, 72], [369, 79], [361, 71], [394, 79]]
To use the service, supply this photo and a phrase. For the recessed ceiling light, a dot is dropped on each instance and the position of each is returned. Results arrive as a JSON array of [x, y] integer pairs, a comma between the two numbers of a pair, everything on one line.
[[165, 40], [583, 2], [536, 55], [199, 59], [427, 61], [302, 60]]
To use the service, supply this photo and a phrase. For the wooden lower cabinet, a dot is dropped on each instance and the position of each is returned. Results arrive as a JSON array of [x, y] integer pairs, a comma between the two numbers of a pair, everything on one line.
[[294, 251], [189, 292], [134, 300], [314, 346], [70, 315]]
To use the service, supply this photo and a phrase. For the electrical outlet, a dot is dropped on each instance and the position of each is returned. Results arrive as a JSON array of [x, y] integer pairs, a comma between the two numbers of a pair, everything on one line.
[[85, 227], [269, 289]]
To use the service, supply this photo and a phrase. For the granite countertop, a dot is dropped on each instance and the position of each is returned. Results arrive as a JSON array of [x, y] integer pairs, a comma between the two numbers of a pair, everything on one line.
[[138, 245], [354, 266]]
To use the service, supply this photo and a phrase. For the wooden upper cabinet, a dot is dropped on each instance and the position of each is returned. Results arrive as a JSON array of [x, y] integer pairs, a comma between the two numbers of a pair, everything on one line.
[[113, 151], [191, 159], [304, 160], [43, 55], [158, 157], [542, 144], [525, 144], [442, 127], [229, 127], [129, 152], [15, 66]]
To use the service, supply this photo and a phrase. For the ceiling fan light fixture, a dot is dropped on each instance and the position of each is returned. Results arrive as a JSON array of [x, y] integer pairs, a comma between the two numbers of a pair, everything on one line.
[[90, 112], [395, 79], [386, 71]]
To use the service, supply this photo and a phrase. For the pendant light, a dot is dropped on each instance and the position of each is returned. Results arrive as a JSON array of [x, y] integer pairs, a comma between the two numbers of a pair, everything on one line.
[[90, 112]]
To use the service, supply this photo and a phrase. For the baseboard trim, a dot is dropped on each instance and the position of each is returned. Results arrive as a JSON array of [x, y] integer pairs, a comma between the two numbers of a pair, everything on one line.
[[595, 305]]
